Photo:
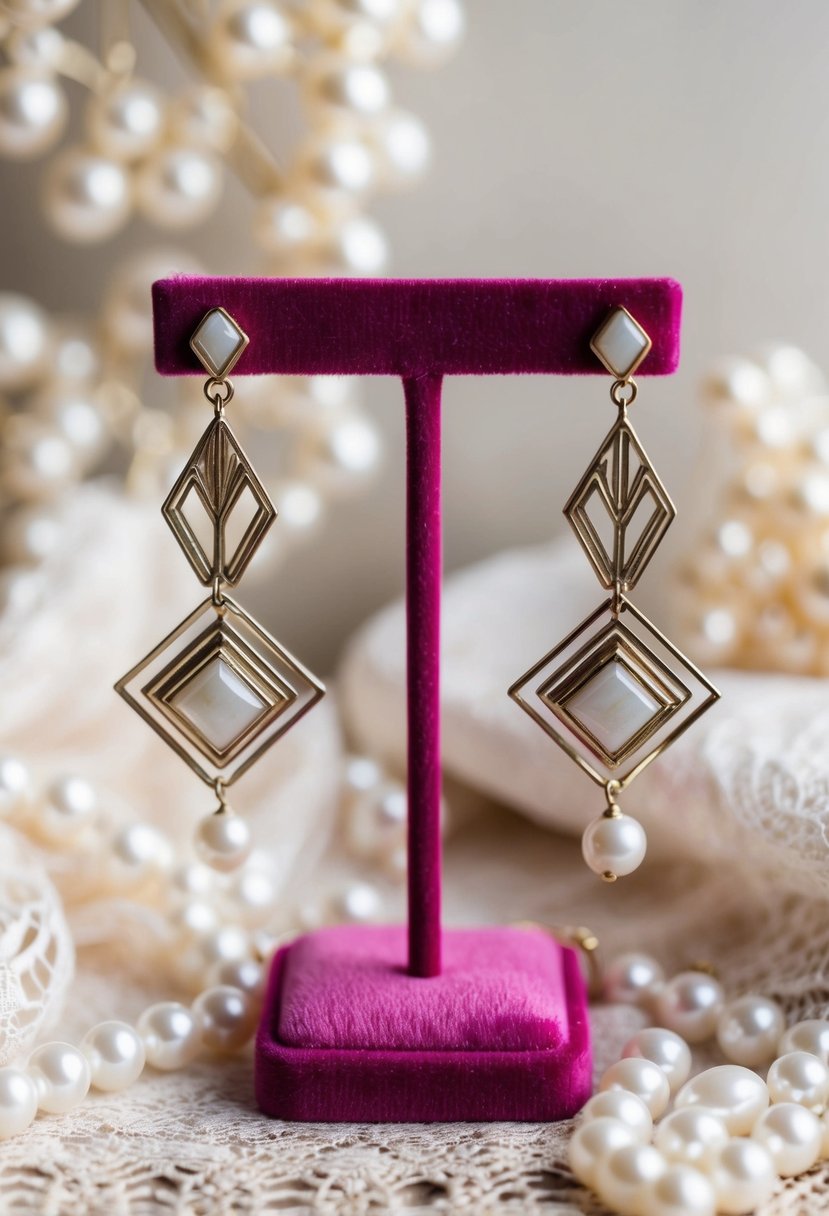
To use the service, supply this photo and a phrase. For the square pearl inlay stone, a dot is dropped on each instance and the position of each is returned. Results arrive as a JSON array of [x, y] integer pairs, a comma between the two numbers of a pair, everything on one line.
[[620, 343], [218, 342], [218, 703], [613, 706]]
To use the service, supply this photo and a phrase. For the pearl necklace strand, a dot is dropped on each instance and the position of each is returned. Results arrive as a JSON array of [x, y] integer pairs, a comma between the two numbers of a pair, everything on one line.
[[730, 1135], [205, 920]]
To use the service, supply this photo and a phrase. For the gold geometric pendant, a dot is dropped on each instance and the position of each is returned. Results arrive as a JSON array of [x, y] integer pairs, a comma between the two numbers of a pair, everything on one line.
[[216, 492], [614, 694], [220, 690], [620, 510]]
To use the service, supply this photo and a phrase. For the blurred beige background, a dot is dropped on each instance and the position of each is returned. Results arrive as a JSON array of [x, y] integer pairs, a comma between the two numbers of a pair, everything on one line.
[[571, 139]]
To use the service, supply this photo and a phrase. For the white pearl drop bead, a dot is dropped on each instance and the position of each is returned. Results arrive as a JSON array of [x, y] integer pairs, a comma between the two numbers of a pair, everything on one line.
[[811, 1035], [614, 845], [33, 112], [251, 39], [222, 841], [632, 979], [691, 1136], [178, 187], [227, 1017], [15, 786], [733, 1093], [748, 1030], [743, 1176], [624, 1106], [665, 1049], [799, 1077], [116, 1055], [69, 809], [87, 196], [127, 122], [24, 341], [642, 1078], [680, 1191], [793, 1136], [690, 1004], [62, 1075], [623, 1175], [18, 1102], [593, 1141], [171, 1034]]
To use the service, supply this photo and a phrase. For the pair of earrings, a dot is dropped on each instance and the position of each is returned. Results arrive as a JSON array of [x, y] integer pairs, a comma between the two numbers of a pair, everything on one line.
[[613, 694]]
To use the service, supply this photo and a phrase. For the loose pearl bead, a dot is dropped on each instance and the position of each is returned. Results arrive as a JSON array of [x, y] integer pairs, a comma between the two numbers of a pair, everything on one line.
[[799, 1077], [227, 1017], [87, 196], [250, 39], [680, 1191], [171, 1035], [340, 86], [285, 227], [77, 417], [253, 895], [204, 118], [359, 246], [18, 1102], [69, 810], [632, 979], [194, 919], [665, 1049], [642, 1078], [39, 463], [116, 1055], [402, 148], [61, 1074], [33, 112], [360, 902], [793, 1136], [245, 974], [15, 786], [622, 1177], [811, 1035], [614, 845], [693, 1136], [748, 1030], [127, 123], [194, 879], [139, 851], [624, 1106], [24, 341], [300, 508], [227, 945], [340, 163], [736, 1094], [743, 1177], [690, 1004], [436, 29], [594, 1141], [222, 841], [376, 821], [347, 453], [179, 187]]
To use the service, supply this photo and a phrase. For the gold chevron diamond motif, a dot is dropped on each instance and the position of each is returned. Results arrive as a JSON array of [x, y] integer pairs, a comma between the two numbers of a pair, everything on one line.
[[620, 510], [220, 690], [218, 508], [614, 694]]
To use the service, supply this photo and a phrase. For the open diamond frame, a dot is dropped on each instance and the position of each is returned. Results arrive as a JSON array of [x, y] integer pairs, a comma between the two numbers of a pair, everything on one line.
[[622, 489], [678, 690], [218, 480], [274, 678]]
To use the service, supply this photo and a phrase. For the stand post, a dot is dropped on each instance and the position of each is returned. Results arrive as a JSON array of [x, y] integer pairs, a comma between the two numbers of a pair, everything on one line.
[[423, 589]]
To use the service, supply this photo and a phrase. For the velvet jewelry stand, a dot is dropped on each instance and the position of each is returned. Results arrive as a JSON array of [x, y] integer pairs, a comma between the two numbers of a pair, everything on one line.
[[477, 1024]]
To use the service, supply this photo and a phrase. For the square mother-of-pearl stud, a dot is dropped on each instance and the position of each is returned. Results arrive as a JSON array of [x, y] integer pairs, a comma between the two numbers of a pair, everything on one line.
[[218, 343], [620, 343]]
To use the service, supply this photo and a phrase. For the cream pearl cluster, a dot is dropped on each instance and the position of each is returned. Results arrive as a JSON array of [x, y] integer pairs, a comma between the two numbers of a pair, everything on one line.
[[653, 1142], [753, 589]]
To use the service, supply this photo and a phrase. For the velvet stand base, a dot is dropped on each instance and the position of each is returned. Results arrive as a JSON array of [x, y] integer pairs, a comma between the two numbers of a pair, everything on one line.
[[348, 1036]]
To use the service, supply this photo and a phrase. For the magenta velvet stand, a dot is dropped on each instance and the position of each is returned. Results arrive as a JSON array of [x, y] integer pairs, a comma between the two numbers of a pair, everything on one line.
[[370, 1023]]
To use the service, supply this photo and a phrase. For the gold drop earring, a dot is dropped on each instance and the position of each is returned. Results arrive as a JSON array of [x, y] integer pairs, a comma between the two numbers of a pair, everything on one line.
[[219, 689], [615, 693]]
